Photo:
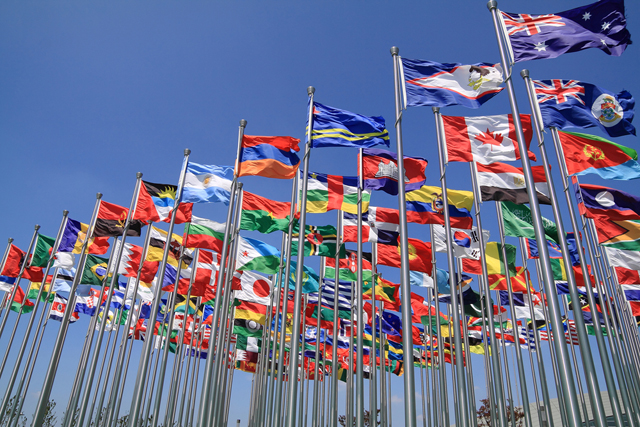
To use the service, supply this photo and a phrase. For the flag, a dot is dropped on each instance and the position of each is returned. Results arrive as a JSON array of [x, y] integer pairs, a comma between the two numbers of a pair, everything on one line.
[[585, 154], [129, 262], [13, 262], [465, 243], [419, 256], [379, 225], [112, 220], [57, 310], [618, 234], [340, 128], [34, 290], [6, 283], [573, 104], [203, 233], [95, 270], [264, 215], [380, 171], [554, 249], [268, 156], [42, 252], [203, 280], [494, 260], [63, 280], [485, 139], [600, 25], [254, 288], [63, 260], [157, 243], [426, 206], [256, 255], [310, 278], [349, 267], [503, 182], [249, 318], [386, 291], [329, 192], [518, 222], [157, 201], [87, 300], [614, 204], [428, 83], [522, 303], [423, 280], [318, 240], [207, 183], [20, 303], [627, 276], [74, 236]]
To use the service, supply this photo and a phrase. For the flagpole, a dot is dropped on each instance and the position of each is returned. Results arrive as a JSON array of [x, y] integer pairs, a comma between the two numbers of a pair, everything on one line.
[[373, 386], [575, 360], [194, 377], [467, 356], [190, 371], [383, 383], [304, 333], [409, 377], [264, 355], [4, 261], [43, 400], [333, 420], [295, 335], [486, 336], [314, 409]]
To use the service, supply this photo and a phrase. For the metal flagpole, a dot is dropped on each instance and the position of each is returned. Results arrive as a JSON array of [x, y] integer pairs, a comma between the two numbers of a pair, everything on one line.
[[264, 355], [486, 336], [473, 420], [316, 372], [43, 400], [503, 344], [333, 420], [566, 376], [350, 388], [422, 389], [383, 382], [373, 387], [189, 377], [455, 313], [359, 387], [302, 380], [195, 375], [230, 383]]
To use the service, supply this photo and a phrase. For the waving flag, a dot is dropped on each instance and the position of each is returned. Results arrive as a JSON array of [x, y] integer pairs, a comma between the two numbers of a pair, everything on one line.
[[130, 260], [349, 267], [340, 128], [614, 204], [379, 225], [203, 233], [554, 249], [503, 182], [426, 206], [626, 259], [58, 308], [254, 288], [269, 156], [207, 183], [112, 219], [428, 83], [585, 154], [74, 236], [264, 215], [329, 192], [570, 103], [518, 222], [600, 25], [618, 234], [465, 243], [485, 139], [319, 240], [156, 203], [256, 255], [419, 256], [380, 171]]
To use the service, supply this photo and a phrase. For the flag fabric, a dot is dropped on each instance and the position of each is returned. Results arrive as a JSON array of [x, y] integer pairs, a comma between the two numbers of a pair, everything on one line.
[[600, 25], [495, 262], [20, 303], [13, 263], [340, 128], [157, 243], [63, 280], [42, 252], [423, 280], [268, 156], [554, 249], [157, 201], [585, 154], [518, 222], [379, 225], [34, 290], [112, 219], [57, 310], [62, 260], [627, 276], [419, 256], [465, 243], [310, 279], [380, 171], [618, 234], [386, 291], [204, 233], [431, 84], [426, 206], [254, 288], [349, 267], [74, 236], [95, 270], [503, 182], [522, 304], [485, 139], [203, 280], [329, 192], [249, 318], [318, 240], [6, 283], [207, 184], [256, 255], [264, 215], [615, 204], [129, 262], [87, 300], [573, 104]]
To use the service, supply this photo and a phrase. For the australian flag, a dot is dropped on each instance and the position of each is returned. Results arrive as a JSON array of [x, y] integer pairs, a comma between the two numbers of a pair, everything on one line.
[[570, 103], [600, 25]]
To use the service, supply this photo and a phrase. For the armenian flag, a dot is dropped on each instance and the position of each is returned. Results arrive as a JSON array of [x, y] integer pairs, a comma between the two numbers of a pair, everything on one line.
[[268, 156]]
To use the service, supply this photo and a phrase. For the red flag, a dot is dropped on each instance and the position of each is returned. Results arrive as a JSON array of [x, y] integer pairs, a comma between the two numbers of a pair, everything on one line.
[[14, 262], [419, 256]]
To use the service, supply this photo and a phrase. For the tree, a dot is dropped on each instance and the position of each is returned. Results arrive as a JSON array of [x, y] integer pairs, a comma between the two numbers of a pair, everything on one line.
[[50, 417], [342, 419], [484, 414], [5, 421]]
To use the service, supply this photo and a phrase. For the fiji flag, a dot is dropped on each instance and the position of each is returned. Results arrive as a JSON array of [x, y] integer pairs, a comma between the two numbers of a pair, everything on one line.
[[570, 103], [431, 84]]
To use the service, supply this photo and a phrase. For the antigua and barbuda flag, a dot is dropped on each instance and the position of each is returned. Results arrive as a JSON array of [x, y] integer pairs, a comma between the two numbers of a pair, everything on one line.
[[431, 84], [573, 104], [600, 25]]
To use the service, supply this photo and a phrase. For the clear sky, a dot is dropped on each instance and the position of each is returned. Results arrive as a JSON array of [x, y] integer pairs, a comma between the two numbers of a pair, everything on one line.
[[93, 92]]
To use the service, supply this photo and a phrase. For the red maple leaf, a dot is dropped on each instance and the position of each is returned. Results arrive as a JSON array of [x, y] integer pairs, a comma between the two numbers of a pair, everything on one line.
[[491, 138]]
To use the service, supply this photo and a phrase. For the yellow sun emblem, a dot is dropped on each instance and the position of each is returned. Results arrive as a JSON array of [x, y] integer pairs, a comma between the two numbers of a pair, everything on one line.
[[167, 193], [412, 252]]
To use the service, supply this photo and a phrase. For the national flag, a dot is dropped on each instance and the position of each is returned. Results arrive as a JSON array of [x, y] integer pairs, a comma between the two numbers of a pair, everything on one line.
[[340, 128], [58, 308], [254, 288], [43, 251], [485, 139], [386, 291], [618, 234], [129, 262], [573, 104], [204, 277], [614, 204], [95, 271], [318, 240], [157, 201], [264, 215], [518, 222], [34, 290], [157, 243], [627, 276], [181, 307], [249, 318], [63, 280], [554, 249], [600, 25], [268, 156], [207, 184], [465, 243], [631, 292], [13, 262], [247, 351], [419, 256], [380, 171], [561, 277], [428, 83], [6, 283], [522, 304], [423, 280], [426, 206], [63, 260], [310, 279], [349, 267], [379, 225], [204, 233], [33, 274], [494, 260], [112, 219], [87, 300], [20, 303], [503, 182], [585, 154], [74, 236], [329, 192], [622, 258], [256, 255]]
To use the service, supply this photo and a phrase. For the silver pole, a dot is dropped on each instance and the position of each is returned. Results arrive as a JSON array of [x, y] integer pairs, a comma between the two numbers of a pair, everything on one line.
[[360, 311], [314, 409], [407, 343], [373, 388], [333, 421]]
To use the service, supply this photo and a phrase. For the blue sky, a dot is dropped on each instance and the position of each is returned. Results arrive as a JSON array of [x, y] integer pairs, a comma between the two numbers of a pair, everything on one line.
[[91, 93]]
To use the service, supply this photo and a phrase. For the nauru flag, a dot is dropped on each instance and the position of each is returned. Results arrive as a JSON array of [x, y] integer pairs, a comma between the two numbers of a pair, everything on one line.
[[268, 156]]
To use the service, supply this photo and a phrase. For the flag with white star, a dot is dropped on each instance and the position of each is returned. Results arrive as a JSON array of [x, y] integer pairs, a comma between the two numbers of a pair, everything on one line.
[[600, 25]]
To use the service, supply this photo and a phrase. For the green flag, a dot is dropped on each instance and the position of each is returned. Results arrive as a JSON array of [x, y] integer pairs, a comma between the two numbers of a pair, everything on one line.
[[518, 222], [95, 270], [318, 241], [42, 252]]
